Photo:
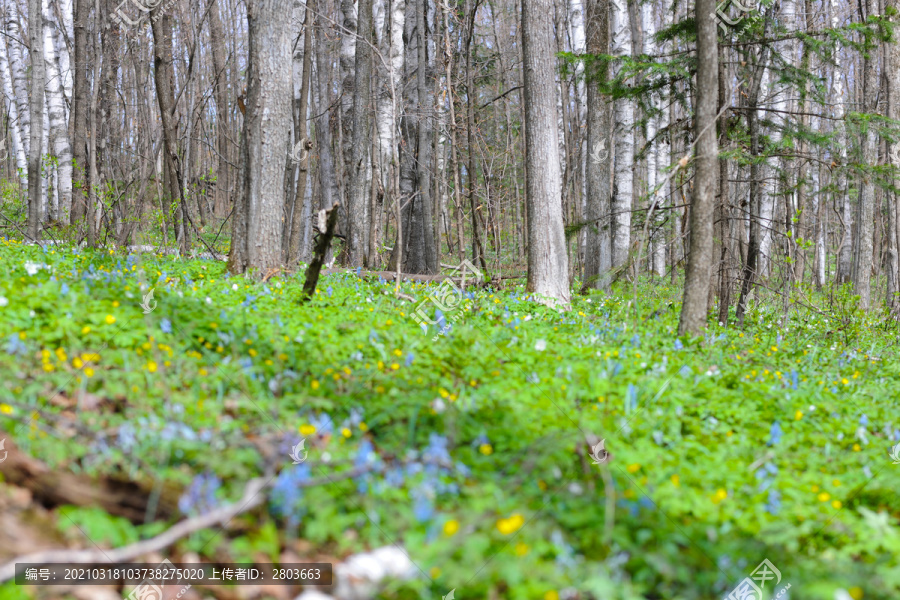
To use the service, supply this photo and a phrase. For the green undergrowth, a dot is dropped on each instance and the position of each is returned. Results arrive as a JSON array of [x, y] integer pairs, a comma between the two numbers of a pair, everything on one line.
[[469, 448]]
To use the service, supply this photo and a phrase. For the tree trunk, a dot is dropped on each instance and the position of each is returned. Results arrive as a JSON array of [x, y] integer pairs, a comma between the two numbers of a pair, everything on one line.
[[302, 143], [36, 108], [389, 35], [256, 232], [347, 97], [547, 260], [472, 173], [623, 188], [866, 207], [697, 273], [59, 132], [325, 168], [220, 86], [80, 106], [749, 271], [15, 123], [598, 246], [424, 144], [892, 70], [164, 76], [840, 194], [359, 163]]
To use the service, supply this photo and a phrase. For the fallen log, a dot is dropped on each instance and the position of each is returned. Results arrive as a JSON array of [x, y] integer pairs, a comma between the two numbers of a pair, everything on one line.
[[255, 493], [219, 516], [55, 488], [392, 276]]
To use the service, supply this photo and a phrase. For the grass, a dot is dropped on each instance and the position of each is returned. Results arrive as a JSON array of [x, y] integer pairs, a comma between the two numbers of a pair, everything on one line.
[[767, 442]]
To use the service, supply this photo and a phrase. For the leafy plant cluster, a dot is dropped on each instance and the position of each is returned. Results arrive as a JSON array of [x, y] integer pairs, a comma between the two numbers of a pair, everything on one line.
[[470, 451]]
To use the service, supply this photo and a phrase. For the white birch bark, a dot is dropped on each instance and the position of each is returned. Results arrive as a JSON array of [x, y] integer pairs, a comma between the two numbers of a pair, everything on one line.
[[624, 141], [57, 126], [769, 185], [347, 67], [821, 222], [655, 157], [15, 125], [390, 18], [579, 45], [14, 37], [62, 37], [49, 194], [576, 31]]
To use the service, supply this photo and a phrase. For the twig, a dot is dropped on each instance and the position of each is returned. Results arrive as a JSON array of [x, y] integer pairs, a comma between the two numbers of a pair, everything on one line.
[[250, 499]]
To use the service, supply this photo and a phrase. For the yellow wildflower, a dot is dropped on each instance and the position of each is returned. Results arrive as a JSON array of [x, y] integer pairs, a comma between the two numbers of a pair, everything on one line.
[[451, 527], [510, 525]]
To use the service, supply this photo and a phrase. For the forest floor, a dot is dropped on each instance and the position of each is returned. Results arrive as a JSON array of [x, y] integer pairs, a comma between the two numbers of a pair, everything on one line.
[[470, 450]]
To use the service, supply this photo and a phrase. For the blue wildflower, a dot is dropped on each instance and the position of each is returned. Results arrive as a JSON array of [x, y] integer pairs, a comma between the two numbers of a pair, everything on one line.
[[166, 326], [173, 429], [394, 477], [436, 451], [287, 493], [423, 506], [322, 423], [127, 437], [631, 398], [200, 496], [14, 345], [775, 434]]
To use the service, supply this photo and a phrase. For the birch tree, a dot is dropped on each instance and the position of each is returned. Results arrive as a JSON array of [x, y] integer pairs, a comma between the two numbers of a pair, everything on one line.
[[15, 124], [59, 131], [623, 188], [390, 19]]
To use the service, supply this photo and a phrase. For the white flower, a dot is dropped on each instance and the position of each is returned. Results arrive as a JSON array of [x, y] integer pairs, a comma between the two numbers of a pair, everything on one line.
[[3, 301], [32, 267], [208, 300], [527, 318], [540, 345], [234, 286]]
